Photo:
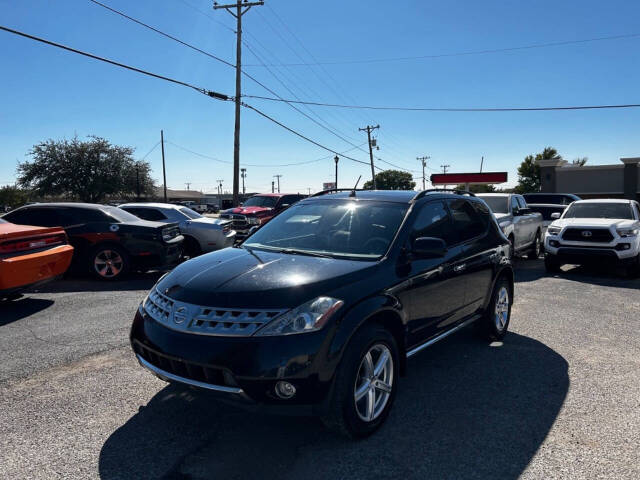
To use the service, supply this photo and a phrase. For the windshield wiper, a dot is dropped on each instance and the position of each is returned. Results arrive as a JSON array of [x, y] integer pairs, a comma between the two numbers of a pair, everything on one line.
[[292, 251]]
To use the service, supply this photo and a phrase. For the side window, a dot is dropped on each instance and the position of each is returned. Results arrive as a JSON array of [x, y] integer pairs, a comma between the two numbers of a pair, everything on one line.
[[39, 217], [521, 202], [514, 204], [467, 222], [147, 214], [87, 215], [433, 221], [19, 217], [288, 200]]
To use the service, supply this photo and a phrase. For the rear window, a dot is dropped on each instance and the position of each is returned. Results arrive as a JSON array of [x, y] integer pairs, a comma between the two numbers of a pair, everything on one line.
[[497, 204], [547, 211]]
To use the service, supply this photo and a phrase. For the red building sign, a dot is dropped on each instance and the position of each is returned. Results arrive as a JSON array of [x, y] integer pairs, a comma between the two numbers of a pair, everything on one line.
[[468, 178]]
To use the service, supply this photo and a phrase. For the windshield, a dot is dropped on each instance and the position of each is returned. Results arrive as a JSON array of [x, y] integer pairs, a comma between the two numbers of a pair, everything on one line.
[[497, 204], [259, 201], [347, 228], [119, 214], [599, 210], [190, 213]]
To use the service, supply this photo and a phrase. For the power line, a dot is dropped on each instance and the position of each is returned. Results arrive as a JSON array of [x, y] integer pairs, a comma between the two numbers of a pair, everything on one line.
[[449, 109], [209, 93], [468, 53]]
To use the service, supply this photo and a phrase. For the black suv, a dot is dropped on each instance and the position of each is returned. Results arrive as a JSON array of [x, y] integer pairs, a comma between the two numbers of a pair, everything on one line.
[[318, 310], [107, 241]]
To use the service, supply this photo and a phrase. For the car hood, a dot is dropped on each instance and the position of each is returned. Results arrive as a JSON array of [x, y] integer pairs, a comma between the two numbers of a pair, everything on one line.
[[241, 278], [248, 210], [207, 222], [593, 222]]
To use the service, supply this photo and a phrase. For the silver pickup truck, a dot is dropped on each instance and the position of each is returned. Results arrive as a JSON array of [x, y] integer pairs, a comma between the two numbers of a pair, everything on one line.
[[520, 224]]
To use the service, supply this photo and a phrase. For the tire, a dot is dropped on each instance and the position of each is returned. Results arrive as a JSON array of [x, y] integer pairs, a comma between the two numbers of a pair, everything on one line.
[[534, 254], [551, 264], [346, 415], [495, 322], [109, 262], [191, 247], [512, 247]]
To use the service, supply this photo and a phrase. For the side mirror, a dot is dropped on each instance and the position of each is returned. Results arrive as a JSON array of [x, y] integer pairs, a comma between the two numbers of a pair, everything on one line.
[[429, 247], [252, 230], [555, 215]]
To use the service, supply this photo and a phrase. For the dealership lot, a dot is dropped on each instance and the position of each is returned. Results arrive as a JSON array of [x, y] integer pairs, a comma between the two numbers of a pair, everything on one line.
[[558, 399]]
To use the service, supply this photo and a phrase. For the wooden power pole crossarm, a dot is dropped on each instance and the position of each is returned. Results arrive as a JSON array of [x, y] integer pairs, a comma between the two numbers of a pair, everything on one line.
[[369, 129], [240, 9], [423, 160]]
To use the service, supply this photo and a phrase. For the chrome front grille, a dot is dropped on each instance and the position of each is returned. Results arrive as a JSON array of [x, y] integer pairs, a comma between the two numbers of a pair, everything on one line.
[[190, 318], [236, 220]]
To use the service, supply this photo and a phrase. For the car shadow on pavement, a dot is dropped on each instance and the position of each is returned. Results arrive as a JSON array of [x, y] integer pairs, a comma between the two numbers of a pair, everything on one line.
[[135, 281], [14, 310], [467, 409]]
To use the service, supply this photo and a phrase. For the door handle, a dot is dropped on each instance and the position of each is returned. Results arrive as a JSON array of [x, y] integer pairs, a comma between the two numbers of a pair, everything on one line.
[[460, 267]]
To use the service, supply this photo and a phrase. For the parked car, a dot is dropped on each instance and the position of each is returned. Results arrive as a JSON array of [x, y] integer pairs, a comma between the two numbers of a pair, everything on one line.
[[319, 309], [595, 231], [547, 211], [258, 210], [522, 226], [201, 234], [108, 241], [199, 207], [550, 198], [31, 256], [212, 208]]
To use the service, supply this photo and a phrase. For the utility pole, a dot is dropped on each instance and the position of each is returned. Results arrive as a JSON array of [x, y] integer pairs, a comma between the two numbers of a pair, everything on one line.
[[188, 184], [164, 171], [481, 162], [278, 177], [240, 9], [138, 181], [369, 129], [272, 186], [309, 191], [444, 168], [243, 174], [423, 160], [336, 159], [219, 193]]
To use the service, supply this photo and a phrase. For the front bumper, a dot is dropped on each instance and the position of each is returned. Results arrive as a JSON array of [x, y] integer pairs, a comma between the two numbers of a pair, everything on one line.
[[241, 370], [621, 252]]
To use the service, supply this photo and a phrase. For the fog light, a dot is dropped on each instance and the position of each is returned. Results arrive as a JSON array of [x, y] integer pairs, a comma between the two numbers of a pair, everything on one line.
[[285, 390], [554, 243]]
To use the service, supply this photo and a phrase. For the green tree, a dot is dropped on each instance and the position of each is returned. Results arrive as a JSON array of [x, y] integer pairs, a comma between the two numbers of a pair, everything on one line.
[[86, 171], [12, 196], [580, 161], [529, 170], [478, 188], [392, 180]]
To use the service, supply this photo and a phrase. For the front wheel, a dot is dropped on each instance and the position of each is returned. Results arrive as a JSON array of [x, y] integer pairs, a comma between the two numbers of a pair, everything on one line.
[[365, 384], [536, 249]]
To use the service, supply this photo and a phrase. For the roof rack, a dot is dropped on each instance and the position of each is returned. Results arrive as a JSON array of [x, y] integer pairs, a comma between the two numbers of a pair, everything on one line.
[[457, 191], [330, 190]]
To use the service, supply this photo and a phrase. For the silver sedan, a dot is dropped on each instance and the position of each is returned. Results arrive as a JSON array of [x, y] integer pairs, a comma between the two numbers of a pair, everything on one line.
[[201, 234]]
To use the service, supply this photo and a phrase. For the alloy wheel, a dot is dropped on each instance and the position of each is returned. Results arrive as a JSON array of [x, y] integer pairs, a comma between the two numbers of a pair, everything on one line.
[[108, 263], [501, 313], [374, 382]]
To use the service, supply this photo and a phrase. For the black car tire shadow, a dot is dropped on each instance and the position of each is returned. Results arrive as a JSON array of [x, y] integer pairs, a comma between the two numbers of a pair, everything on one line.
[[466, 410], [14, 310], [85, 283]]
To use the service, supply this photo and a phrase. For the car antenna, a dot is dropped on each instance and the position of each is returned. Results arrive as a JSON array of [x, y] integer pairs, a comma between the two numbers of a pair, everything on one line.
[[353, 192]]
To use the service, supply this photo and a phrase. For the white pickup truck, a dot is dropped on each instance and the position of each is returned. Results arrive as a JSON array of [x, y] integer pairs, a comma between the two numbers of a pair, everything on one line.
[[518, 222], [590, 231]]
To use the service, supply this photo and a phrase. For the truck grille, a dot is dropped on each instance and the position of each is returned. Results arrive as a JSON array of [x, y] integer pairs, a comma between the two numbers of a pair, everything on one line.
[[190, 318], [597, 235], [238, 221]]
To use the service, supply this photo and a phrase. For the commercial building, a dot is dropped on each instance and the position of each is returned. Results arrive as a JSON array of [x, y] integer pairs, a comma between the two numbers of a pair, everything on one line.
[[592, 181]]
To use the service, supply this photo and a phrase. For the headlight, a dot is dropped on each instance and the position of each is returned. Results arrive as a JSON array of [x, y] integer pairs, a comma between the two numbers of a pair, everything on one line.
[[628, 232], [554, 230], [253, 220], [309, 317]]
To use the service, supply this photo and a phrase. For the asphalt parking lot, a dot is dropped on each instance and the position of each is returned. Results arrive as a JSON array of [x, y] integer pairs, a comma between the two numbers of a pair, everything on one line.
[[559, 398]]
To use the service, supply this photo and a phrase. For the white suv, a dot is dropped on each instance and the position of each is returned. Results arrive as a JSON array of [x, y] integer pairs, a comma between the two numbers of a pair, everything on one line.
[[595, 230]]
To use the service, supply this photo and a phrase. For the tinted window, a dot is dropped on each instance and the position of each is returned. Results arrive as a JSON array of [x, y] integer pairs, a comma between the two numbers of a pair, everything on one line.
[[521, 202], [190, 213], [433, 220], [260, 201], [497, 204], [599, 210], [40, 217], [289, 200], [514, 204], [85, 215], [146, 213], [467, 222]]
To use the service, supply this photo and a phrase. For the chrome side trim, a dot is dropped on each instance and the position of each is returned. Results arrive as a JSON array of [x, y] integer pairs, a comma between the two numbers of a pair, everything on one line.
[[170, 376], [428, 343]]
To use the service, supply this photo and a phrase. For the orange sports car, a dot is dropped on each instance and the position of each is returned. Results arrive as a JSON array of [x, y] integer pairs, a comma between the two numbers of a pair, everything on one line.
[[30, 256]]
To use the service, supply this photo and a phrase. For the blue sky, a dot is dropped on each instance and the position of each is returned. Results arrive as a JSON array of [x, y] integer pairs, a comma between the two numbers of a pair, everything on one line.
[[49, 93]]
